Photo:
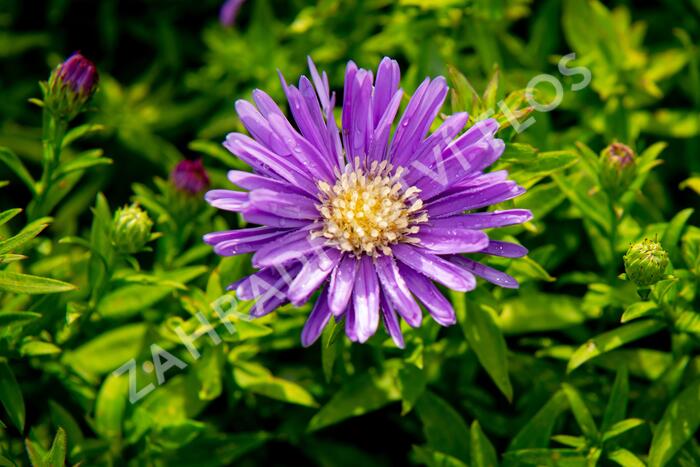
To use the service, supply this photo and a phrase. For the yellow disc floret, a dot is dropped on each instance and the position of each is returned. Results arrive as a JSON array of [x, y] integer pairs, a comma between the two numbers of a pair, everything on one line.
[[367, 211]]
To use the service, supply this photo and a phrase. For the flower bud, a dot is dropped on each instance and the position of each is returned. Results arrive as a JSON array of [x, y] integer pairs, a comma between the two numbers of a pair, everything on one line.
[[229, 11], [190, 177], [617, 168], [131, 229], [645, 262], [71, 85]]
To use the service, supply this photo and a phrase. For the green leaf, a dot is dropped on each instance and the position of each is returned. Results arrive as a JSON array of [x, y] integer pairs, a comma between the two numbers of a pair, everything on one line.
[[578, 442], [11, 244], [61, 418], [17, 318], [622, 427], [677, 425], [485, 339], [360, 394], [432, 458], [553, 457], [688, 321], [36, 348], [582, 202], [625, 458], [330, 348], [11, 396], [84, 161], [15, 164], [209, 372], [639, 310], [80, 132], [617, 404], [110, 407], [539, 312], [57, 455], [26, 284], [443, 427], [581, 413], [483, 453], [257, 379], [7, 216], [110, 350], [536, 433], [613, 339], [412, 382]]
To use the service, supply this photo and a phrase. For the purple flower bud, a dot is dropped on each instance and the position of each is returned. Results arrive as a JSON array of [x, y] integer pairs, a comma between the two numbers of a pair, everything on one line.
[[618, 168], [71, 85], [229, 11], [189, 176]]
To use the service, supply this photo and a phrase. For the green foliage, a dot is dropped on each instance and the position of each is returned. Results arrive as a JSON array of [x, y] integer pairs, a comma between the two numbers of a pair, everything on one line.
[[122, 346]]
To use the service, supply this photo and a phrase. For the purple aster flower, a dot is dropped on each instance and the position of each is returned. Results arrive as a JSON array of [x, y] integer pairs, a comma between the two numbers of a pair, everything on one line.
[[371, 219], [229, 11], [189, 176], [71, 85]]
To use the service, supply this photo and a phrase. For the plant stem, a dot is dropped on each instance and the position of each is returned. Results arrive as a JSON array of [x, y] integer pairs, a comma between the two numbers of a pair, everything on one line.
[[53, 131], [612, 237]]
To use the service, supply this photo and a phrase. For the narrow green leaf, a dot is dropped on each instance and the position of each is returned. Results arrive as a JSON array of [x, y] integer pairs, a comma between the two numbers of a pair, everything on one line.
[[57, 455], [359, 395], [581, 413], [63, 419], [443, 427], [639, 310], [536, 433], [257, 379], [11, 396], [487, 341], [483, 453], [7, 216], [15, 164], [11, 244], [617, 404], [577, 442], [548, 457], [612, 340], [17, 318], [678, 424], [432, 458], [625, 458], [26, 284], [622, 427], [83, 162]]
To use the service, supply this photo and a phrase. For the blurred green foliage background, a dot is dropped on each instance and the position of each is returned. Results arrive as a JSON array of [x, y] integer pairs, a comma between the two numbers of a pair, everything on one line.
[[571, 369]]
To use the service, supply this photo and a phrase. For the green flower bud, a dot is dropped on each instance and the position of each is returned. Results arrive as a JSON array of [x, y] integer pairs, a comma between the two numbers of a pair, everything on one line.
[[645, 262], [70, 86], [131, 229], [617, 168]]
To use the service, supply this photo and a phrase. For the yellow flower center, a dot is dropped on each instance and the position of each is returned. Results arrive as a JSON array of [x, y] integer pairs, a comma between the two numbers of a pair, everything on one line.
[[367, 211]]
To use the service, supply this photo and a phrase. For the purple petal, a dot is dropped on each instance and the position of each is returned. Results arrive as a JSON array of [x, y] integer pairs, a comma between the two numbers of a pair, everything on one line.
[[440, 240], [435, 267], [284, 204], [439, 307], [321, 85], [483, 220], [385, 87], [380, 136], [251, 181], [312, 274], [291, 246], [268, 163], [317, 320], [505, 249], [437, 142], [485, 272], [473, 199], [256, 216], [417, 123], [342, 283], [350, 323], [274, 280], [236, 242], [229, 11], [395, 289], [228, 200], [366, 300], [259, 127], [391, 322]]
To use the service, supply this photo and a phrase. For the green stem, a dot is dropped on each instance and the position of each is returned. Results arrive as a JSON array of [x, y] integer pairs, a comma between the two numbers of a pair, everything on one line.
[[612, 237], [53, 131]]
